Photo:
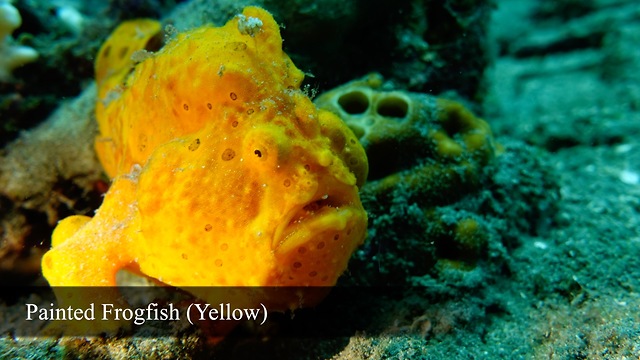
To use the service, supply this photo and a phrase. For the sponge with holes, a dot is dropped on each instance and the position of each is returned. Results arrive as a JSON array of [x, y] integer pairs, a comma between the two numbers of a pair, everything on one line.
[[424, 152], [432, 145]]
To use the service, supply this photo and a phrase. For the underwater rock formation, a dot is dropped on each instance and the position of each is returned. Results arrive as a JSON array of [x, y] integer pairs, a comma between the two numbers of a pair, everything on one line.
[[46, 174]]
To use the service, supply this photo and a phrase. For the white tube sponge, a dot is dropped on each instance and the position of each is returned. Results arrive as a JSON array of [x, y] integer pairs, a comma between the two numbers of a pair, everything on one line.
[[11, 56]]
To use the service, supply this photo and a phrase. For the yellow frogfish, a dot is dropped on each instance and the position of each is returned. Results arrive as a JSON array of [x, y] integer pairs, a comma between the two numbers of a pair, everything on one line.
[[224, 171]]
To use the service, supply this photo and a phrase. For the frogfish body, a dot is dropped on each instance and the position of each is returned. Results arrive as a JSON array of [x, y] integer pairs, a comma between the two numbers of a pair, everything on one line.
[[224, 172]]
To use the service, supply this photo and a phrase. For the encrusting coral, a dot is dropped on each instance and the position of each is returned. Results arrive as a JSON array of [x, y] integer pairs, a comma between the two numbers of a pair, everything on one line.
[[225, 173], [11, 56]]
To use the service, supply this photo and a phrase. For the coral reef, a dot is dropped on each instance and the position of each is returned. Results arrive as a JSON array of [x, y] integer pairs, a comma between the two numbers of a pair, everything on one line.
[[11, 56], [221, 166]]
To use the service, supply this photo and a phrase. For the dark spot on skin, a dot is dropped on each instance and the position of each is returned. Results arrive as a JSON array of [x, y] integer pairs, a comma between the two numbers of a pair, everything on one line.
[[233, 96], [195, 144], [142, 142], [123, 52], [228, 154]]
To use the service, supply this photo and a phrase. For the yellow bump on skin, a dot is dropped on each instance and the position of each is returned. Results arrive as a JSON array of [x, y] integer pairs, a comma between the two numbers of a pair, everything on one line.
[[67, 227], [325, 157], [113, 61]]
